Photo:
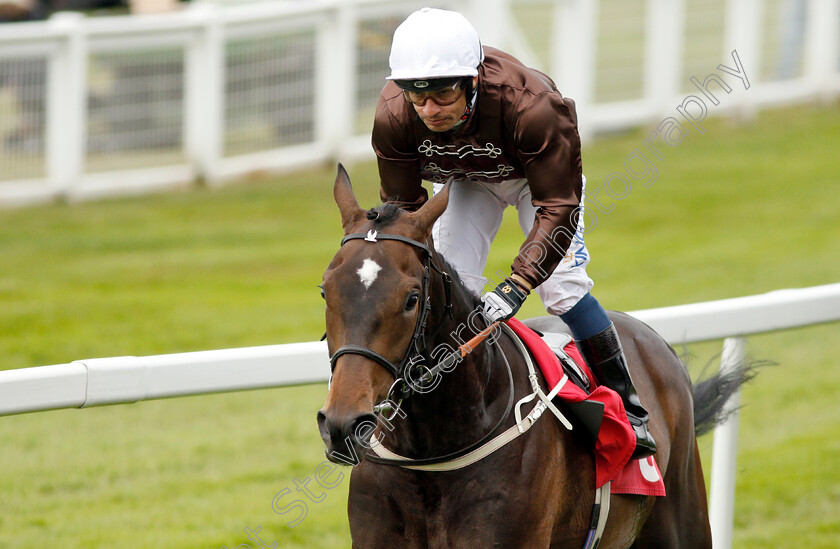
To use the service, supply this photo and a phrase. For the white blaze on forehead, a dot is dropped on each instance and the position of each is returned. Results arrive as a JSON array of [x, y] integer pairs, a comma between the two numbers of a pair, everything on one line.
[[368, 272]]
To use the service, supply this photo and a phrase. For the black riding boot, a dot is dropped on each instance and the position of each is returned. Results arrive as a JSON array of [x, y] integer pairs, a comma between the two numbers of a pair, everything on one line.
[[603, 353]]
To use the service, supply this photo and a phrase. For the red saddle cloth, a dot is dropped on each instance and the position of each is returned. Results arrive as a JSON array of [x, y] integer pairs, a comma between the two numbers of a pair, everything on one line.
[[616, 441]]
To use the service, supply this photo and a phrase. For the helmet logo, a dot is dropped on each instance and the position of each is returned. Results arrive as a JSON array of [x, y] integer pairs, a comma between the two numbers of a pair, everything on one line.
[[421, 84]]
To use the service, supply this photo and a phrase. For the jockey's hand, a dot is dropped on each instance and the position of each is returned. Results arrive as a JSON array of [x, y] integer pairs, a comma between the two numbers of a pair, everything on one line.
[[503, 302]]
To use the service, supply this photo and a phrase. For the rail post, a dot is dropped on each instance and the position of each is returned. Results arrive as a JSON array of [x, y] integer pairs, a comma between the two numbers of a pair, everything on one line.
[[725, 454]]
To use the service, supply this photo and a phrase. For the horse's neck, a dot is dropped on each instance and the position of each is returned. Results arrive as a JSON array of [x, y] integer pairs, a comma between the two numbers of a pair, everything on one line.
[[465, 403]]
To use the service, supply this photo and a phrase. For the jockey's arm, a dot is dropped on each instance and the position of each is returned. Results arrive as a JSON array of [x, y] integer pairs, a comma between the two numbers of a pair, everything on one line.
[[549, 149]]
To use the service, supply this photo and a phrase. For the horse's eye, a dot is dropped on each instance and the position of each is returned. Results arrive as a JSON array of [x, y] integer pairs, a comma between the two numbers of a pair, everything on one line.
[[322, 292], [412, 301]]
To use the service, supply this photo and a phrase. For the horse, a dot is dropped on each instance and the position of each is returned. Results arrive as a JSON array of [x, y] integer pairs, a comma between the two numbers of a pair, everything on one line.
[[393, 308]]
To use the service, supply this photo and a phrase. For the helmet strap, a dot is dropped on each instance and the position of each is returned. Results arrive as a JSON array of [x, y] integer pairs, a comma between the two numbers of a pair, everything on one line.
[[471, 100]]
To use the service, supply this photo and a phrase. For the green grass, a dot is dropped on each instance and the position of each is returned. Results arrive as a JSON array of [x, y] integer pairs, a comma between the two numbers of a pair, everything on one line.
[[738, 211]]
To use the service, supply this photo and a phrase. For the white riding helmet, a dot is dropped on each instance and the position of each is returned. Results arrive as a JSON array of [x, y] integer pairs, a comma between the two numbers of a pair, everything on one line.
[[433, 43]]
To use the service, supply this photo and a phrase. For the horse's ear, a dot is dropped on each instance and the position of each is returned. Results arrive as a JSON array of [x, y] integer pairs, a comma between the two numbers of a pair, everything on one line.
[[349, 207], [426, 216]]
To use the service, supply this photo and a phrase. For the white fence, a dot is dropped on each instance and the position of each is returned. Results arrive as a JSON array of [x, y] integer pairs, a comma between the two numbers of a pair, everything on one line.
[[99, 381], [129, 379], [101, 105]]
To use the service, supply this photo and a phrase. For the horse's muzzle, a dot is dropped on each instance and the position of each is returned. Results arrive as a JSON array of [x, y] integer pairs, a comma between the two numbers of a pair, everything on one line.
[[346, 437]]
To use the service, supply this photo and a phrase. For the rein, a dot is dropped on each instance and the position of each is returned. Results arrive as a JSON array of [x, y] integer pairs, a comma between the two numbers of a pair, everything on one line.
[[464, 455], [486, 446]]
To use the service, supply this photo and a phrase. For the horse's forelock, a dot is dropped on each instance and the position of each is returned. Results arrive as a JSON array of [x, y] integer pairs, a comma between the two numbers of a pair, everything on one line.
[[384, 214]]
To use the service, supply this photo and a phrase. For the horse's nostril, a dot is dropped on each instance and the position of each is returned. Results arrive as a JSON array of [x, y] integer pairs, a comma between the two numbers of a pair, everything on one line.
[[355, 430], [363, 427], [323, 427]]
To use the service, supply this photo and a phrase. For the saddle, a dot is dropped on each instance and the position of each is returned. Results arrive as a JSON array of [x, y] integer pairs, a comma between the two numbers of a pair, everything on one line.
[[587, 414], [591, 416]]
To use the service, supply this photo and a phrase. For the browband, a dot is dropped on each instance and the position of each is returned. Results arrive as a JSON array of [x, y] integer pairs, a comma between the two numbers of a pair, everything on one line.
[[373, 236]]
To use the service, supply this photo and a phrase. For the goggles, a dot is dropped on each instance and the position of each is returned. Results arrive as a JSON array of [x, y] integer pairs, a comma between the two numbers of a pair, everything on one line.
[[443, 97]]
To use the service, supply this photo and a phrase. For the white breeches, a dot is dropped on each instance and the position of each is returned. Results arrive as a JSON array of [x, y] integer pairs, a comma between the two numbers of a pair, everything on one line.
[[465, 230]]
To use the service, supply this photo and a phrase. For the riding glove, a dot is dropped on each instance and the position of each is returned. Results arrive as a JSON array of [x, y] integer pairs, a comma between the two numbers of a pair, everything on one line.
[[504, 301]]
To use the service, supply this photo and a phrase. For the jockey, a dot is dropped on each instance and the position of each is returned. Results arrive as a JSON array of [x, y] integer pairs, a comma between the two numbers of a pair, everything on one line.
[[452, 108]]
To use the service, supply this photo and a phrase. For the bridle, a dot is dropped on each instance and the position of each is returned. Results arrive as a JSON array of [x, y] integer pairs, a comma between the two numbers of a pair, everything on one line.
[[404, 384]]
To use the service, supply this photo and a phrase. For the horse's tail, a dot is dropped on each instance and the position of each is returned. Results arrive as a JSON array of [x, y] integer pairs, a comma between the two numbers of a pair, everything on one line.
[[712, 394]]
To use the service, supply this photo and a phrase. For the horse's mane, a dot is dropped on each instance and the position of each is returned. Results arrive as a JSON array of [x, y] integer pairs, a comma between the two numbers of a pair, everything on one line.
[[458, 286]]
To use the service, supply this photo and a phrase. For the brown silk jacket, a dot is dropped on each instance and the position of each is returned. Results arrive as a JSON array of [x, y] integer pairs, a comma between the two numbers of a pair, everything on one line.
[[521, 128]]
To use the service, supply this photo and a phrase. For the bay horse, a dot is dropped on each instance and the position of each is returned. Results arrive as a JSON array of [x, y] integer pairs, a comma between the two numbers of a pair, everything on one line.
[[393, 307]]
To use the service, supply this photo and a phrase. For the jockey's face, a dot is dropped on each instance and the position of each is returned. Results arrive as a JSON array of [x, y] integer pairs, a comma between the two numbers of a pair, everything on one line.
[[440, 118]]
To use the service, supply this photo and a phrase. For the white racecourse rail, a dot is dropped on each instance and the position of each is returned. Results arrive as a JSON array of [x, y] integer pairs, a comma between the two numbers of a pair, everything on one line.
[[106, 105], [116, 380]]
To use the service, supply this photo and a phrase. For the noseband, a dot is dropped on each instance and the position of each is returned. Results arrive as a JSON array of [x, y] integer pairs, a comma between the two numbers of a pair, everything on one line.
[[414, 354]]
